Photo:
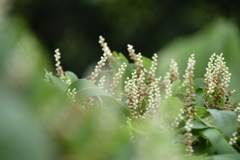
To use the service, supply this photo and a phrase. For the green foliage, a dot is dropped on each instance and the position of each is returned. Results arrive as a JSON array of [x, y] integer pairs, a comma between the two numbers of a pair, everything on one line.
[[155, 112], [133, 114]]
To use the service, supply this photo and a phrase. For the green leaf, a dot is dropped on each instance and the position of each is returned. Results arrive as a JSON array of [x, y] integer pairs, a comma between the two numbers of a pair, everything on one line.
[[199, 82], [175, 86], [58, 82], [201, 111], [198, 125], [224, 157], [219, 143], [225, 120], [209, 121], [181, 90], [70, 75], [86, 89], [200, 97], [129, 70], [146, 63]]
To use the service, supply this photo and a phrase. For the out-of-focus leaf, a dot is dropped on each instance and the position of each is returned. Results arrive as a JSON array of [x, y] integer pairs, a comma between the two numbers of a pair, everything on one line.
[[225, 120], [200, 97], [170, 108], [175, 86], [70, 75], [208, 120], [58, 82], [22, 136], [219, 143], [86, 89], [199, 82], [128, 71], [198, 125], [224, 157], [181, 90], [146, 63], [201, 111]]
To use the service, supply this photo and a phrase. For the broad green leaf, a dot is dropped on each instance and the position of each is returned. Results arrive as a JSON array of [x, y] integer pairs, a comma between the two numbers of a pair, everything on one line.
[[146, 63], [224, 157], [199, 82], [175, 86], [208, 120], [58, 82], [70, 75], [225, 120], [181, 90], [86, 89], [201, 111], [129, 70], [198, 125], [219, 143], [200, 97]]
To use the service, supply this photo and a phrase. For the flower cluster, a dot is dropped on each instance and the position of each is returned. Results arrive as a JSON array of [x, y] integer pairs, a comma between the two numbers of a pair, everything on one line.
[[131, 135], [106, 50], [188, 136], [59, 68], [153, 67], [101, 82], [217, 78], [142, 86], [47, 79], [237, 111], [168, 92], [189, 97], [117, 77], [234, 138], [173, 74], [132, 53], [107, 55], [131, 89], [154, 96], [178, 118], [71, 94]]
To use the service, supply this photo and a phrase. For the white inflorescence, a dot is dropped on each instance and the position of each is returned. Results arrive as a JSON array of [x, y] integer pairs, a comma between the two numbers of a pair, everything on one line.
[[189, 71], [173, 74], [106, 55], [132, 90], [59, 68], [154, 65], [237, 111], [72, 94], [131, 51], [168, 90], [217, 75], [118, 76], [57, 56], [234, 138], [106, 50], [101, 82]]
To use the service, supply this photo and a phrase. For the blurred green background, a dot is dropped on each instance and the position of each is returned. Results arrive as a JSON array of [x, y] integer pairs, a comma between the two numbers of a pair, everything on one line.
[[75, 25], [34, 117]]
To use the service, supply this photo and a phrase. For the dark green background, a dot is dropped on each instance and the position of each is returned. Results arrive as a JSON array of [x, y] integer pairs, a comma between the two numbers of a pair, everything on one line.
[[74, 25]]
